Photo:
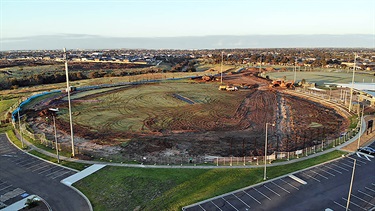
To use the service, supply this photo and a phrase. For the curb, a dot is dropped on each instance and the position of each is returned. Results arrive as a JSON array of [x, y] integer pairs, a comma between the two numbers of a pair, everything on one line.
[[75, 189]]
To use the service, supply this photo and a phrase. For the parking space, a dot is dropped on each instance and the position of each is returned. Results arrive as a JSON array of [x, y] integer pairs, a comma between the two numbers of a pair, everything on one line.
[[326, 184], [14, 185], [41, 167]]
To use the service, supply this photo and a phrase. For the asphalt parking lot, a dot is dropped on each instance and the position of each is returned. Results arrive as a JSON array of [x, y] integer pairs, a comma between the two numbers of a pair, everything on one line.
[[22, 175], [318, 188]]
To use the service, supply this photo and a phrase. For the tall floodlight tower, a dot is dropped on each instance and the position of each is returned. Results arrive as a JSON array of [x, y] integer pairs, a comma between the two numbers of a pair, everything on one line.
[[295, 71], [221, 68], [351, 89], [70, 107]]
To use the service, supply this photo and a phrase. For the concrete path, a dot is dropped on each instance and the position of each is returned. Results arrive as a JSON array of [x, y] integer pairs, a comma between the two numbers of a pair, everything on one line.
[[82, 174]]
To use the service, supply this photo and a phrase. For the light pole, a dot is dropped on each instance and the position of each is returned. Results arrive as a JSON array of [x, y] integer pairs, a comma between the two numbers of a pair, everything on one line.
[[265, 151], [19, 124], [360, 127], [351, 184], [54, 110], [221, 68], [351, 89], [70, 107]]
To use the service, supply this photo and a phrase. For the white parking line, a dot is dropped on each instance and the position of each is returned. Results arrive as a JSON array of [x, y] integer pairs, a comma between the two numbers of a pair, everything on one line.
[[340, 205], [54, 172], [41, 167], [351, 162], [373, 184], [252, 197], [22, 161], [230, 204], [290, 184], [262, 194], [202, 207], [340, 167], [33, 162], [6, 187], [351, 202], [367, 158], [362, 200], [370, 189], [359, 155], [333, 169], [362, 158], [280, 187], [50, 169], [350, 166], [6, 151], [271, 190], [216, 205], [241, 201], [311, 177], [360, 161], [35, 165], [60, 175], [328, 172], [319, 174], [365, 193], [297, 179]]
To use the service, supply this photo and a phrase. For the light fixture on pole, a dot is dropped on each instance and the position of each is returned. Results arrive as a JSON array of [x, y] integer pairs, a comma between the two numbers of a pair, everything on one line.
[[352, 87], [360, 127], [54, 110], [265, 151], [70, 107], [19, 124], [221, 68]]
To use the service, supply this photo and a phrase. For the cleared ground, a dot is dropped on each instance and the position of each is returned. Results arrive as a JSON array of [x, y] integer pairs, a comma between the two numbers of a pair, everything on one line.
[[178, 120]]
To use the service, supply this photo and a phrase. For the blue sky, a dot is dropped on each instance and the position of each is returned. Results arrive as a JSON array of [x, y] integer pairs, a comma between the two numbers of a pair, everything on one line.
[[159, 18]]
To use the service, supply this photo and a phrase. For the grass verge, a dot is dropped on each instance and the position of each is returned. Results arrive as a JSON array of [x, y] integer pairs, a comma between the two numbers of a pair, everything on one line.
[[121, 188], [73, 165], [13, 138]]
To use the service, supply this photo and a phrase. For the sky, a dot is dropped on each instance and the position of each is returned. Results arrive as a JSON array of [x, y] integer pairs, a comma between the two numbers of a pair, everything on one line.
[[177, 18]]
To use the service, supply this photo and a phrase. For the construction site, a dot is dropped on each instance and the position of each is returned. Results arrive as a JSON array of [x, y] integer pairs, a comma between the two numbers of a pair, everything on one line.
[[189, 119]]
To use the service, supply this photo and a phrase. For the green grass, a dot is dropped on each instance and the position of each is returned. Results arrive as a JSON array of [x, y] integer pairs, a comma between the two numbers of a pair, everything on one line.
[[5, 105], [323, 77], [13, 138], [39, 145], [121, 188], [128, 109], [73, 165]]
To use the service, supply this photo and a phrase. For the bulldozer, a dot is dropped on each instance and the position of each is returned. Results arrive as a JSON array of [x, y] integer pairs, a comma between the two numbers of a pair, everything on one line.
[[282, 84]]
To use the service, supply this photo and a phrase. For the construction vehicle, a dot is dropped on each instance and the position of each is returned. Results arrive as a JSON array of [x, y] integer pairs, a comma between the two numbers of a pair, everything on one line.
[[282, 84], [228, 88]]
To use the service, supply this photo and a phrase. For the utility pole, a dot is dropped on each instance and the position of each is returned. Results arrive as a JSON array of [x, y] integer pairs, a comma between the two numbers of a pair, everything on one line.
[[70, 107]]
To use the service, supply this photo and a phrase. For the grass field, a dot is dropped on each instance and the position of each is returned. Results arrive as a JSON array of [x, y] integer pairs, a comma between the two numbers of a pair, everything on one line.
[[5, 105], [120, 188], [324, 77], [132, 108]]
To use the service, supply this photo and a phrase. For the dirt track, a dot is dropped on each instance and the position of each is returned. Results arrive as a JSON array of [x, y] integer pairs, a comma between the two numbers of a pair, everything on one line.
[[299, 123]]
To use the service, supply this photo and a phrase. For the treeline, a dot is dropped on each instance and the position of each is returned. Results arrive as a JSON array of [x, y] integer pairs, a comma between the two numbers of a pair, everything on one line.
[[38, 79]]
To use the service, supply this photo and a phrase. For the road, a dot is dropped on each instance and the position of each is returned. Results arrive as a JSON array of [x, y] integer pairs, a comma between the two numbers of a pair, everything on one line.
[[21, 174], [327, 186]]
